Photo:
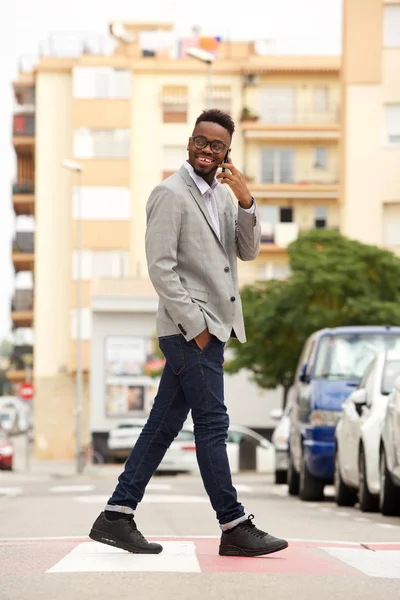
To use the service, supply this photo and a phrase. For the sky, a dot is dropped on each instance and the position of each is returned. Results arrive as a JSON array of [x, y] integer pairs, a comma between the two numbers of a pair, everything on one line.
[[295, 26]]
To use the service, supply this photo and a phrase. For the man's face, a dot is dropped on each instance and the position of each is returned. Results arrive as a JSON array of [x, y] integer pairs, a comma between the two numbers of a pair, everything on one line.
[[205, 162]]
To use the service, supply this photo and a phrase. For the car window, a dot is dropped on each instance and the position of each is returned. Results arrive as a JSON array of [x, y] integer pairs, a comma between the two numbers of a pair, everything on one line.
[[234, 437], [390, 373], [304, 355], [347, 356], [185, 436]]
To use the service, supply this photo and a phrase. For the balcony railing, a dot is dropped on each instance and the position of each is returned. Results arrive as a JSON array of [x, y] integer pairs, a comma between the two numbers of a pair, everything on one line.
[[24, 125], [301, 117], [24, 242], [26, 187], [22, 300], [24, 109]]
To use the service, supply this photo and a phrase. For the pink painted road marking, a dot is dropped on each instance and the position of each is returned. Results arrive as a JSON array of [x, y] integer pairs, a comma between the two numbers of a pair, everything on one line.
[[300, 559]]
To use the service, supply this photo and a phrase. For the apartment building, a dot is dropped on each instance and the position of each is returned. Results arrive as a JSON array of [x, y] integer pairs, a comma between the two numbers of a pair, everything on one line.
[[370, 151], [125, 117]]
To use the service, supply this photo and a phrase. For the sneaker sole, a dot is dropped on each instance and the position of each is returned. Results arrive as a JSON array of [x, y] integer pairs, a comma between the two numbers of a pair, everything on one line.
[[110, 540], [236, 551]]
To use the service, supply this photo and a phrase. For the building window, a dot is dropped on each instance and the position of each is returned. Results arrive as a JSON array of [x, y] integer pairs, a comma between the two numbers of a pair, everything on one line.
[[320, 217], [277, 165], [393, 124], [101, 82], [96, 264], [320, 157], [101, 143], [173, 158], [278, 104], [221, 98], [391, 226], [286, 215], [321, 99], [102, 203], [391, 26], [175, 104]]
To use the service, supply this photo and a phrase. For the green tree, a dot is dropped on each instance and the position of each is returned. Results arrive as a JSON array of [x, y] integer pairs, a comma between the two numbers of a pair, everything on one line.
[[335, 281]]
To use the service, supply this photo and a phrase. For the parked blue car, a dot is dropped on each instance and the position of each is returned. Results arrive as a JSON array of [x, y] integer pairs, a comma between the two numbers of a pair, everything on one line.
[[331, 366]]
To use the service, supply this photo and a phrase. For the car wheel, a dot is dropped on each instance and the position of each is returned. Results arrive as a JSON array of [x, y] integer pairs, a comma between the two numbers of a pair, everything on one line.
[[311, 488], [368, 502], [281, 476], [389, 497], [344, 495], [293, 478]]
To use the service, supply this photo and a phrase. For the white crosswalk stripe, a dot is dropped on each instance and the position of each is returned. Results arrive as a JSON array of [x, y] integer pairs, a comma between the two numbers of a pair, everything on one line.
[[177, 556], [380, 563], [10, 491]]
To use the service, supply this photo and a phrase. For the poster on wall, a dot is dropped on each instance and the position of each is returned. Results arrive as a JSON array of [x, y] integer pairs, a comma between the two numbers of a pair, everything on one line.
[[128, 389]]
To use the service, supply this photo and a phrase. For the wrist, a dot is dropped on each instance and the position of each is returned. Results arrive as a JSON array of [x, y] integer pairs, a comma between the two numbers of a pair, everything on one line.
[[246, 202]]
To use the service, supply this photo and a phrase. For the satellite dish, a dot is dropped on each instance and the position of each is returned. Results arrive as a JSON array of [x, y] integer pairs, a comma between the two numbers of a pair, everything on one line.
[[119, 32]]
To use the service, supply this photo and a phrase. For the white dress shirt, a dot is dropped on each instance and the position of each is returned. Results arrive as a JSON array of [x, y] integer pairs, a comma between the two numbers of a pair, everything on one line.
[[207, 192]]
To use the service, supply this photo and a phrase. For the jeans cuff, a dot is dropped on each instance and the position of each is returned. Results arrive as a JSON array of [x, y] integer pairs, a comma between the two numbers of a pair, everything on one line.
[[126, 510], [232, 524]]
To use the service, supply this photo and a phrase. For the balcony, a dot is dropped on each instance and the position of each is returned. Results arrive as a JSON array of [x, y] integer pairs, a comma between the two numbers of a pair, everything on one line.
[[301, 125], [276, 237], [24, 198], [21, 363], [23, 251], [22, 308], [24, 133], [299, 189]]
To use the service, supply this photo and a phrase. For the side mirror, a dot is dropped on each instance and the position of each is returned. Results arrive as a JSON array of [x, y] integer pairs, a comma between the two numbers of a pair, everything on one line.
[[276, 414], [303, 377], [359, 397]]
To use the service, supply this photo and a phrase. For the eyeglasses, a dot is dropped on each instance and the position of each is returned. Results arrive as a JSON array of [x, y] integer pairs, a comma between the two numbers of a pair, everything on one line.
[[201, 142]]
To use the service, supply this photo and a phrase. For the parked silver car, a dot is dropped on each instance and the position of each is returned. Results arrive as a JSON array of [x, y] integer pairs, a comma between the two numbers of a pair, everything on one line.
[[389, 497], [280, 440]]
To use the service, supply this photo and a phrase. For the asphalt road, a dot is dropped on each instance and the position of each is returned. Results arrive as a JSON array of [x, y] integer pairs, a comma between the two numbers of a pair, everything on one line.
[[45, 551]]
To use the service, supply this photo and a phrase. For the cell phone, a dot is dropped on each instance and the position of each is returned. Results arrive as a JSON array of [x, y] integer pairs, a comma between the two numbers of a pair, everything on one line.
[[226, 159]]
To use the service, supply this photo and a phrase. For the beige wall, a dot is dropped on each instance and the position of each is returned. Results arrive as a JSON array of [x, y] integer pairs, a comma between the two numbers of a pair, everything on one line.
[[53, 224], [105, 171], [362, 208], [100, 113], [103, 235], [391, 75], [362, 41], [55, 417]]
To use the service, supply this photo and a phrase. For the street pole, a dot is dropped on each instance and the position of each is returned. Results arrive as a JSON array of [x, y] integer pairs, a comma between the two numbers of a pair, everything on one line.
[[79, 375], [209, 85]]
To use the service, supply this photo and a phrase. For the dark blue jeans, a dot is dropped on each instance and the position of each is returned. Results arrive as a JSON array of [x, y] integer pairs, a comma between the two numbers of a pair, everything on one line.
[[192, 380]]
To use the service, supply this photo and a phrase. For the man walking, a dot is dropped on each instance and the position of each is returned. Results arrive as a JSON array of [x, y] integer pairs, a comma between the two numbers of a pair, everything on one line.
[[194, 236]]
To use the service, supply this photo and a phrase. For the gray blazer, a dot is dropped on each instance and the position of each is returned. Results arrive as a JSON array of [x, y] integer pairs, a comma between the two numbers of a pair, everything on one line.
[[194, 272]]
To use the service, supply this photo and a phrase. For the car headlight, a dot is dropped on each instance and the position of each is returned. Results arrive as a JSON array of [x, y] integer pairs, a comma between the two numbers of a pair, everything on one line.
[[327, 418], [6, 451]]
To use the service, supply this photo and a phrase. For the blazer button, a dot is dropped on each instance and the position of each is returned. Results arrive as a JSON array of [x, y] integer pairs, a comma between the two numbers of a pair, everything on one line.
[[233, 299], [226, 269]]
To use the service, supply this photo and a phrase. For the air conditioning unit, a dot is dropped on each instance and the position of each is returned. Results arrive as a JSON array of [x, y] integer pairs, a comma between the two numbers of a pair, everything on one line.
[[251, 79]]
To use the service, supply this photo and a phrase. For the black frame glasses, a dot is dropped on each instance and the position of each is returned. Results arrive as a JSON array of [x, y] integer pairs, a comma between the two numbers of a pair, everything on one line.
[[201, 142]]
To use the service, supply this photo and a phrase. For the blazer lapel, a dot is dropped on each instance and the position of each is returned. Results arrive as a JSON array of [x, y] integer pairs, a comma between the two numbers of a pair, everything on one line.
[[194, 190]]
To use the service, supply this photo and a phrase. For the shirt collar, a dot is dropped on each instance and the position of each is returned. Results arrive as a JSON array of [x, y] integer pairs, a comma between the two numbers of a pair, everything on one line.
[[200, 182]]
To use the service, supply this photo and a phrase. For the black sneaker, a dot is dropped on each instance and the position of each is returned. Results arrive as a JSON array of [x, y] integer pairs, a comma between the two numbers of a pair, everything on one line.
[[122, 534], [246, 540]]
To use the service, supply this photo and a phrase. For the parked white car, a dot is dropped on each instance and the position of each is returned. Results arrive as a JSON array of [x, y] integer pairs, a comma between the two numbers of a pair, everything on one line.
[[181, 455], [280, 440], [358, 435], [123, 437], [389, 497]]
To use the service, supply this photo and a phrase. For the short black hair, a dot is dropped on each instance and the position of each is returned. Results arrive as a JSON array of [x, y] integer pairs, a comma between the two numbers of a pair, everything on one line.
[[213, 115]]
